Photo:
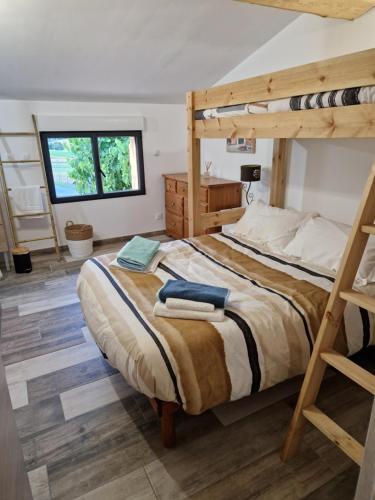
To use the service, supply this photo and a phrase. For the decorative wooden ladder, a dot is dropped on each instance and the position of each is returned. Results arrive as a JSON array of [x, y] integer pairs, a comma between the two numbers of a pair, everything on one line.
[[48, 213], [323, 353]]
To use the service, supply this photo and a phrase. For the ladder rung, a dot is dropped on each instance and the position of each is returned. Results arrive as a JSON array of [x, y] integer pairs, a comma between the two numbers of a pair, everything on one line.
[[359, 299], [17, 134], [360, 376], [369, 229], [335, 433], [41, 187], [35, 239], [20, 161], [31, 215]]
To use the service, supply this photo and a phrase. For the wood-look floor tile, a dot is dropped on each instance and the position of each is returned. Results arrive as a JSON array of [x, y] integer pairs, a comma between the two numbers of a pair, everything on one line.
[[18, 394], [252, 481], [18, 294], [228, 413], [45, 332], [46, 321], [63, 380], [199, 463], [38, 417], [20, 341], [111, 449], [133, 486], [72, 442], [46, 304], [44, 345], [13, 294], [39, 483], [13, 326], [91, 396], [340, 487], [48, 363]]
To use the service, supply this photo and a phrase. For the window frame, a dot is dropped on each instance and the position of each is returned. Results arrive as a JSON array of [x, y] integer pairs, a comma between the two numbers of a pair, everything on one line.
[[93, 135]]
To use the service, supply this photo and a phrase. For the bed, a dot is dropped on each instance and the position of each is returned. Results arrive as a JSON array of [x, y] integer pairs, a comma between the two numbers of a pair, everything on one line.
[[276, 307]]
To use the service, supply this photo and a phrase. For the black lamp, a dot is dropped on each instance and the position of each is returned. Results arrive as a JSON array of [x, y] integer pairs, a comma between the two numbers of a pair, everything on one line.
[[250, 173]]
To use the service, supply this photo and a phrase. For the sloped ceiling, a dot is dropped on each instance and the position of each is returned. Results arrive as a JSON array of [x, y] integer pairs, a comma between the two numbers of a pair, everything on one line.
[[127, 50], [340, 9]]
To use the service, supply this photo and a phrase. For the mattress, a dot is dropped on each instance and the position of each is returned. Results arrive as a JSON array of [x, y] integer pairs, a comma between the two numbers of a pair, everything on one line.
[[272, 319], [334, 98]]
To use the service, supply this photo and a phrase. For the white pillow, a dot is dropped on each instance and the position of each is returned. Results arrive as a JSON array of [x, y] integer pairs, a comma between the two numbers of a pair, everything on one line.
[[321, 242], [273, 226]]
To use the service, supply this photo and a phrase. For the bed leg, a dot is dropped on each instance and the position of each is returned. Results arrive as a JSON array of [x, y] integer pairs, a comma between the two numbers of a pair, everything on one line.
[[168, 432], [165, 411]]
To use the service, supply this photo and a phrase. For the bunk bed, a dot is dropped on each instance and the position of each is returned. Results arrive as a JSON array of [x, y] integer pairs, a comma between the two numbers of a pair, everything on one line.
[[195, 365], [345, 72]]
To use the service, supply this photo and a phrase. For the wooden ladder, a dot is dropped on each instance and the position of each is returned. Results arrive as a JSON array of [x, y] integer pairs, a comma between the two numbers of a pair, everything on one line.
[[323, 353], [48, 213]]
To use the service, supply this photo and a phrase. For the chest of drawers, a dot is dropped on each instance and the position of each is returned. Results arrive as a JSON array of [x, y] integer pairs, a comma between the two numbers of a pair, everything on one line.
[[215, 194]]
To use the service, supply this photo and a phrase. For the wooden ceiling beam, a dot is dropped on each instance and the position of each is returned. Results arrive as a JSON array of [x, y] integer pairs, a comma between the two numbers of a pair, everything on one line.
[[339, 9]]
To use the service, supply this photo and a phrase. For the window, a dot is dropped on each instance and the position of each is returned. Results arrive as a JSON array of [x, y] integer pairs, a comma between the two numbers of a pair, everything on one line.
[[93, 165]]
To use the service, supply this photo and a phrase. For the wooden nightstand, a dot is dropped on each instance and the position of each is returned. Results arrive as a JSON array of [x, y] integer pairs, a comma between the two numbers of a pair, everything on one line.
[[216, 194]]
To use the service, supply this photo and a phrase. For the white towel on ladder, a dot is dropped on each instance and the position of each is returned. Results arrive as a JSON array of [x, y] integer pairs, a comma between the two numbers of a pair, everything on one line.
[[27, 200]]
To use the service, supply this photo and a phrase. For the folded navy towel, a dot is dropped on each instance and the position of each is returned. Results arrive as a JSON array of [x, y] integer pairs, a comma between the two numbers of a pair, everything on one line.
[[188, 290]]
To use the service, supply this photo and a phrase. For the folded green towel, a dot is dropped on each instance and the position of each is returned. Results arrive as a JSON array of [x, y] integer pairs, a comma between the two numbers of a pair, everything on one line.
[[137, 253]]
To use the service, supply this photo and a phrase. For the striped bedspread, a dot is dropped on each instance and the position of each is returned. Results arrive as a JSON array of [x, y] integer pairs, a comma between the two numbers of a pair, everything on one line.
[[273, 316]]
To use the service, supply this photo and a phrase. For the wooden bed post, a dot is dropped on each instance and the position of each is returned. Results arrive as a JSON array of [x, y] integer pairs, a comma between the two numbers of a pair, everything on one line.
[[279, 170], [165, 410], [194, 169]]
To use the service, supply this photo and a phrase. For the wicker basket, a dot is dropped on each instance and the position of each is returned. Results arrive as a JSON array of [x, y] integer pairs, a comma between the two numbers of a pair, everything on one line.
[[78, 232]]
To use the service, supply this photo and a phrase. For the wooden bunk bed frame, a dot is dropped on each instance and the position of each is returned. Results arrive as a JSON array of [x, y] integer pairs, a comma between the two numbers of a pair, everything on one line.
[[353, 70], [347, 71]]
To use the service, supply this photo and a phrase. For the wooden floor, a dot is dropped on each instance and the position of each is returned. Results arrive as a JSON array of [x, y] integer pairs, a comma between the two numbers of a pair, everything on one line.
[[86, 434]]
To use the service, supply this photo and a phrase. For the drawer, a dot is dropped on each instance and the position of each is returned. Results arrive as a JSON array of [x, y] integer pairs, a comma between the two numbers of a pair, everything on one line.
[[174, 203], [203, 194], [170, 185], [174, 225], [204, 207], [182, 188]]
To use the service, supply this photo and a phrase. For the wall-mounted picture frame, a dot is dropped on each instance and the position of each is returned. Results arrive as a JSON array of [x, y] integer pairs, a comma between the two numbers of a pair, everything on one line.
[[241, 145]]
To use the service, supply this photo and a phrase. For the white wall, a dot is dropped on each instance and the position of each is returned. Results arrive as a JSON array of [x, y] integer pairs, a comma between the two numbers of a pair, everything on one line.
[[324, 175], [164, 132]]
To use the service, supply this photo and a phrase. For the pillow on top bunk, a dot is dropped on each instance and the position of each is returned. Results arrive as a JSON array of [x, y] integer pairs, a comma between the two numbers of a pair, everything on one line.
[[321, 242], [273, 226]]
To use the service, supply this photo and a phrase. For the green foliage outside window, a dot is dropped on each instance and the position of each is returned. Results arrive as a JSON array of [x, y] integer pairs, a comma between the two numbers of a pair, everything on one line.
[[114, 163]]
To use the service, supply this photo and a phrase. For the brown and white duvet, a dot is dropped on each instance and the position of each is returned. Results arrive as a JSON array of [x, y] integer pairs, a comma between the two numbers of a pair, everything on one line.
[[274, 313]]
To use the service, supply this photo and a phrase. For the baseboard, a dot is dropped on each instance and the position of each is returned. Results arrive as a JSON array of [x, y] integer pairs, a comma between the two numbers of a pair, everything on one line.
[[98, 243]]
